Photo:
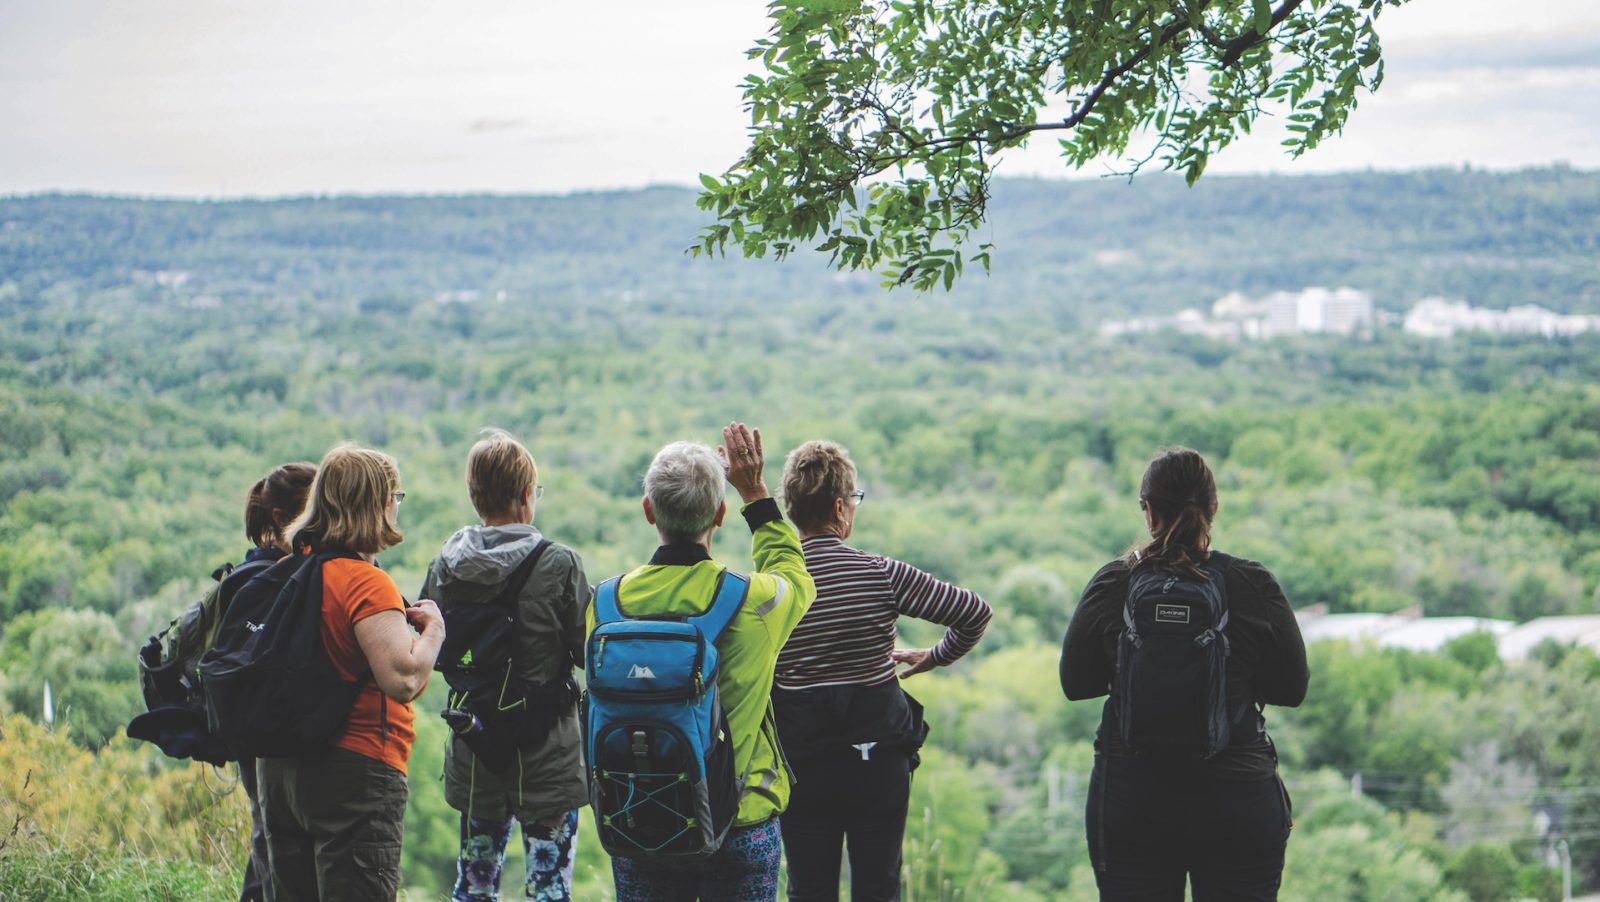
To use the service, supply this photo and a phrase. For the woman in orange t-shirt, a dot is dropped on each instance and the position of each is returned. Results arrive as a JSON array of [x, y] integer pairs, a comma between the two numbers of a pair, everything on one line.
[[333, 820]]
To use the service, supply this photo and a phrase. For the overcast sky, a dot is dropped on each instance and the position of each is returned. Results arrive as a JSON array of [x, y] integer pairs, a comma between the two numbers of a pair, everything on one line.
[[268, 97]]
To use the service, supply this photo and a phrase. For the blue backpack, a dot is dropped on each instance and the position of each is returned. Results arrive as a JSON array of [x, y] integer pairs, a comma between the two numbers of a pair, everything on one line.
[[661, 773]]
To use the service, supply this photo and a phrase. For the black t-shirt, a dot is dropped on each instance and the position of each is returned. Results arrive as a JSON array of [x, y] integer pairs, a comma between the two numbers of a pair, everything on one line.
[[1267, 663]]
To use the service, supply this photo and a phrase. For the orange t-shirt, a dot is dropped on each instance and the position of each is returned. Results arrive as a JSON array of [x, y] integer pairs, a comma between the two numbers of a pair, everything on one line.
[[379, 727]]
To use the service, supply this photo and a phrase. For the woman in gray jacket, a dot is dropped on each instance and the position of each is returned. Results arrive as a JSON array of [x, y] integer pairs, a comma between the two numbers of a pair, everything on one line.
[[518, 759]]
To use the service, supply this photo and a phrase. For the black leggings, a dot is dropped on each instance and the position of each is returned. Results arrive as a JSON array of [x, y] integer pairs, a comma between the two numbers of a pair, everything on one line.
[[1151, 824], [838, 799]]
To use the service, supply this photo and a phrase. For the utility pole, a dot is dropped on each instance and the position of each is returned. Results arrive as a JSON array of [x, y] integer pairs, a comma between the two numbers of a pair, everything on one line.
[[1565, 852]]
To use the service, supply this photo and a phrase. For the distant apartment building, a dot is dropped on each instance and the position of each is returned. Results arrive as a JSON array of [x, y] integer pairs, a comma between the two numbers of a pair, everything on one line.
[[1442, 318], [1344, 311], [1349, 311]]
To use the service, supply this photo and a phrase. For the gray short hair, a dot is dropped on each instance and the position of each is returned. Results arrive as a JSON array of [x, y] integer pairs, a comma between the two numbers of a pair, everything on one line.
[[685, 484]]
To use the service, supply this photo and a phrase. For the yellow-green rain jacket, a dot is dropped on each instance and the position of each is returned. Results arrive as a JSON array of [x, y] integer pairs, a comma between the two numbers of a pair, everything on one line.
[[681, 580]]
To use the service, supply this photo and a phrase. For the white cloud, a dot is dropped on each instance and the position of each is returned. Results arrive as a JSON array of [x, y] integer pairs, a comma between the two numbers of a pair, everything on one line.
[[294, 96]]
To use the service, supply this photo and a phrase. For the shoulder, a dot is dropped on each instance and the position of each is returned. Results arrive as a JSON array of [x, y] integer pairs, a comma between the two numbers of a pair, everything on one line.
[[559, 558], [1111, 574], [839, 554], [1245, 572], [357, 583], [1107, 589]]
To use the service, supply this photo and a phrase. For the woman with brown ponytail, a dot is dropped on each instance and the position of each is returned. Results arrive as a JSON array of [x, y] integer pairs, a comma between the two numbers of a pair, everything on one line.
[[1219, 819], [273, 503]]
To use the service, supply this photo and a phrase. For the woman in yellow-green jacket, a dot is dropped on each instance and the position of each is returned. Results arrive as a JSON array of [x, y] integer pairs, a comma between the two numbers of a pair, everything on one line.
[[684, 502]]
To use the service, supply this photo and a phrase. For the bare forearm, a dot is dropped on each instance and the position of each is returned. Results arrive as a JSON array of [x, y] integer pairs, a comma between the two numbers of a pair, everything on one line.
[[415, 668]]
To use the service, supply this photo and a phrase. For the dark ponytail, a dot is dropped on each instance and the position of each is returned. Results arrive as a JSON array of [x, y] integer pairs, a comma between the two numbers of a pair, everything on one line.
[[275, 501], [1181, 496]]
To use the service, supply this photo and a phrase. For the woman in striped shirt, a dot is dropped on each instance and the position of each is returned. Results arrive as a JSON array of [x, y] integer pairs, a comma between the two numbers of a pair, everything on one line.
[[849, 731]]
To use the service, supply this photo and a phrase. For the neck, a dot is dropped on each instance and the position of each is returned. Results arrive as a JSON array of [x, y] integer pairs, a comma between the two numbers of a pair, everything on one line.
[[704, 541], [503, 521], [829, 529]]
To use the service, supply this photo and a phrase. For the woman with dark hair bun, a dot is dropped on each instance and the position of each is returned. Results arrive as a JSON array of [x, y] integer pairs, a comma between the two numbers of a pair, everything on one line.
[[273, 503], [1185, 783]]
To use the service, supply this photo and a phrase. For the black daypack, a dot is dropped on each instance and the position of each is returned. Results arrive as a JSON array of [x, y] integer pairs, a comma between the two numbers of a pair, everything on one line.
[[174, 697], [271, 689], [1171, 685], [478, 662]]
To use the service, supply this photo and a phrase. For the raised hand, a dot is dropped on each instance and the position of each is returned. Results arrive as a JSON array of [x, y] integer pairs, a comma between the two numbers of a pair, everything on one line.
[[743, 460]]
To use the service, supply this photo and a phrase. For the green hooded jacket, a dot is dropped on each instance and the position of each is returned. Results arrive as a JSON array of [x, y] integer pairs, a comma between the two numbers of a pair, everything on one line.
[[680, 581]]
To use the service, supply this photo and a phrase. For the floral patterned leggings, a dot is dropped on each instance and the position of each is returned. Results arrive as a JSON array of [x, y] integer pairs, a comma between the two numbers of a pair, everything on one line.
[[745, 869], [549, 851]]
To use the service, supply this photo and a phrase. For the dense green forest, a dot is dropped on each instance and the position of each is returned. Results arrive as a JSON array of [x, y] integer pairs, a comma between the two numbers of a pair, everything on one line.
[[157, 357]]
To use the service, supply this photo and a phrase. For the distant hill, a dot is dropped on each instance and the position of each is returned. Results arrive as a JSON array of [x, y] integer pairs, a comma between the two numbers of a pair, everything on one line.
[[1087, 248]]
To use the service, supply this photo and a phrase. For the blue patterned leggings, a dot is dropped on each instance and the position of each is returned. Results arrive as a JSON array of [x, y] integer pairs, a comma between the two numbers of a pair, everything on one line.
[[549, 852], [745, 869]]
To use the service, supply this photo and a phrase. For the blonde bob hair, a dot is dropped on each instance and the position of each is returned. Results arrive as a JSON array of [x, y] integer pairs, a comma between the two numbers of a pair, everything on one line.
[[499, 470], [349, 508], [814, 475]]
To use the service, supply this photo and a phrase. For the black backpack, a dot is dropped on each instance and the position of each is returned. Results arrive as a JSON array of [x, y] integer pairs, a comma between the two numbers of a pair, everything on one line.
[[478, 662], [1171, 685], [174, 698], [271, 689]]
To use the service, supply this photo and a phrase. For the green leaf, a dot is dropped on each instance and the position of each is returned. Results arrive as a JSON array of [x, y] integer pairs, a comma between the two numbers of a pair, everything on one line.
[[1261, 22], [711, 183]]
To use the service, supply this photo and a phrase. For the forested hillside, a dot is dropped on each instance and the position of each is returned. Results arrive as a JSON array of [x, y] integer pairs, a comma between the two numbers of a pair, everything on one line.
[[158, 357]]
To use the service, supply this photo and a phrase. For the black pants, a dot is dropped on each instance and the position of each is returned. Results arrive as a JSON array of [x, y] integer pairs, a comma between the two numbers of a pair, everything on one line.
[[1151, 824], [840, 799]]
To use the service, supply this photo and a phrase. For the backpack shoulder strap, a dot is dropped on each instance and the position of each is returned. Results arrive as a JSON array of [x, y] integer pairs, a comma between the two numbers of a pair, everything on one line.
[[1217, 564], [520, 576], [730, 595], [606, 609]]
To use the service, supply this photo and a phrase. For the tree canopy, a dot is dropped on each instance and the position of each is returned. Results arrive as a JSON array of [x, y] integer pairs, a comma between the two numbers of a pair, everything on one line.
[[875, 124]]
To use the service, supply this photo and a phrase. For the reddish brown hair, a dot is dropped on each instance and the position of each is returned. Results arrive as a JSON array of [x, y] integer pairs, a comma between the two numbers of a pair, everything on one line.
[[1181, 496], [275, 501]]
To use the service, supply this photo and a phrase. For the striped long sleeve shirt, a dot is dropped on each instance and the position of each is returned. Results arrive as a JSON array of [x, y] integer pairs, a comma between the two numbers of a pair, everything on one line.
[[846, 637]]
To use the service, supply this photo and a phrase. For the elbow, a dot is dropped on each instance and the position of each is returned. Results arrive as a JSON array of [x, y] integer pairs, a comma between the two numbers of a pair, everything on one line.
[[1081, 694], [1289, 696], [985, 614], [402, 686]]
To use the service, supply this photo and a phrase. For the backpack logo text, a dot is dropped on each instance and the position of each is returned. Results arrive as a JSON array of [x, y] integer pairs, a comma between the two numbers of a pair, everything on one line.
[[640, 672], [1172, 613]]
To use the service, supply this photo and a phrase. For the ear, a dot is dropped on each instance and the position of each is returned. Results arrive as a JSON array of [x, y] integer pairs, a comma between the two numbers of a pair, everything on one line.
[[649, 512], [839, 505], [722, 511]]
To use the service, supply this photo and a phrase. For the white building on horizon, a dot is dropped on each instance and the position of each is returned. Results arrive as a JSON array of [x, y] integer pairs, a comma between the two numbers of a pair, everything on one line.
[[1437, 317]]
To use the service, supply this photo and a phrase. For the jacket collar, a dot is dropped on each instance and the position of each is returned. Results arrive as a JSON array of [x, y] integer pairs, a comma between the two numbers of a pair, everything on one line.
[[679, 554]]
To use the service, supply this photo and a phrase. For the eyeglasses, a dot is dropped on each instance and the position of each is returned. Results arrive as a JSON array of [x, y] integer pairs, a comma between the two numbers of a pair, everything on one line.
[[538, 492], [399, 497], [857, 496]]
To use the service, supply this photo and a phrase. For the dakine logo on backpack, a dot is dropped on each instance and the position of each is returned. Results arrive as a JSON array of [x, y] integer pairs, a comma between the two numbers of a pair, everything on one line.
[[661, 777], [1171, 693], [1172, 613]]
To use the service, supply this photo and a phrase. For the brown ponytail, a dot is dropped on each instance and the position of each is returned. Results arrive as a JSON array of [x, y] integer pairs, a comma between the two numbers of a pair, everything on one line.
[[275, 501], [1181, 495]]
